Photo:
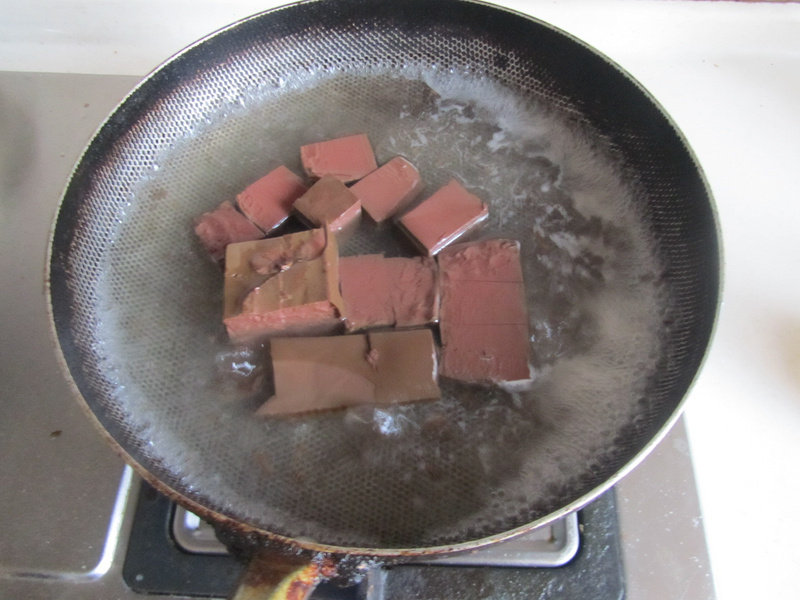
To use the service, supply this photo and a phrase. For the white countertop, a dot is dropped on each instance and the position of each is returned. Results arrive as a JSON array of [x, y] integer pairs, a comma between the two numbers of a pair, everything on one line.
[[729, 75]]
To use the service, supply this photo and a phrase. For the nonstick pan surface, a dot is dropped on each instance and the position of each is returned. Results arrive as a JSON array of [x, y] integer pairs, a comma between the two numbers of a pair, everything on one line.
[[574, 159]]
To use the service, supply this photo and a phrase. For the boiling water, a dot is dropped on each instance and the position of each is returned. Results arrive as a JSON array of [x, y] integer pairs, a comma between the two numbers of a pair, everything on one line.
[[482, 459]]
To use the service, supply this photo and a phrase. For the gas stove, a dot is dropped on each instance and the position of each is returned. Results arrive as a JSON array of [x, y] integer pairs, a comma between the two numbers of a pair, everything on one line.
[[171, 551], [77, 523]]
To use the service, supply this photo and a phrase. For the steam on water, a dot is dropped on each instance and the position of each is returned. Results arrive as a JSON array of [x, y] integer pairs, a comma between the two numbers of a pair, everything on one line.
[[481, 460]]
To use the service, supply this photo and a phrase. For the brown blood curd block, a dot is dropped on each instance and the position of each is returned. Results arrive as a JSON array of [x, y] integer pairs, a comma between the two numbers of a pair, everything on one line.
[[330, 203], [268, 201], [378, 368], [287, 285], [346, 158], [483, 317], [385, 292], [222, 226], [388, 189], [444, 217]]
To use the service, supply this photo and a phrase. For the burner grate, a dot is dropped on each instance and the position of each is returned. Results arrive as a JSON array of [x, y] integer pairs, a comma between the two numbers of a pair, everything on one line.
[[172, 552], [552, 545]]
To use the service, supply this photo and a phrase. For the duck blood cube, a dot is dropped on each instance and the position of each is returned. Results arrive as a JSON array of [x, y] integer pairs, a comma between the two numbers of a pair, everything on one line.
[[346, 158], [483, 317], [287, 285], [268, 201], [222, 226], [404, 363], [388, 292], [249, 264], [388, 189], [444, 217], [330, 203], [378, 368]]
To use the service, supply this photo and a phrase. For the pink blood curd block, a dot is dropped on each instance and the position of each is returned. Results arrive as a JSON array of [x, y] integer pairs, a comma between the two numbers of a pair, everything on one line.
[[444, 217], [330, 203], [268, 201], [378, 368], [346, 158], [222, 226], [287, 285], [483, 317], [388, 292], [388, 189]]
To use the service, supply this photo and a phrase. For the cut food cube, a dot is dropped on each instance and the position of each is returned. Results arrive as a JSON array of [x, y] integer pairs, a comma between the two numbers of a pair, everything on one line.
[[322, 373], [330, 203], [405, 365], [319, 373], [483, 317], [497, 353], [222, 226], [346, 158], [388, 292], [444, 217], [249, 264], [287, 285], [268, 201], [388, 189]]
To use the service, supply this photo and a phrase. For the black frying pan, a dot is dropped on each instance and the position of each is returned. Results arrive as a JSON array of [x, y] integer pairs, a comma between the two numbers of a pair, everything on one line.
[[575, 160]]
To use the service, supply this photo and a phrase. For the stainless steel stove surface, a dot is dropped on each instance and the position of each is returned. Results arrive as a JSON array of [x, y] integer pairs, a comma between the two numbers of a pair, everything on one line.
[[68, 506]]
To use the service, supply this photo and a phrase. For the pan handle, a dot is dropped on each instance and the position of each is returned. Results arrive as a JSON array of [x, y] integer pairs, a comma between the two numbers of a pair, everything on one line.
[[273, 576]]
